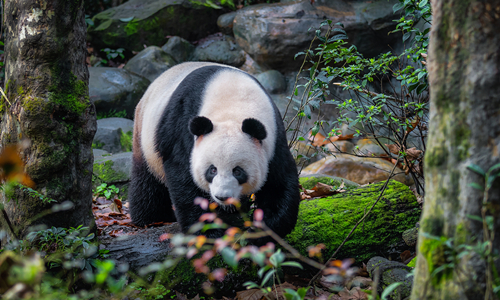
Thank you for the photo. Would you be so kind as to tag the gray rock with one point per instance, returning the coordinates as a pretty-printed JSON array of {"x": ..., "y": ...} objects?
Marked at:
[
  {"x": 180, "y": 49},
  {"x": 114, "y": 168},
  {"x": 390, "y": 272},
  {"x": 148, "y": 22},
  {"x": 219, "y": 49},
  {"x": 114, "y": 135},
  {"x": 410, "y": 236},
  {"x": 113, "y": 89},
  {"x": 272, "y": 34},
  {"x": 150, "y": 63},
  {"x": 273, "y": 81},
  {"x": 225, "y": 23},
  {"x": 99, "y": 153}
]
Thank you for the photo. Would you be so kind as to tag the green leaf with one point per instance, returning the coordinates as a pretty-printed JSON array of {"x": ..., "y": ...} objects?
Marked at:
[
  {"x": 422, "y": 4},
  {"x": 277, "y": 258},
  {"x": 389, "y": 289},
  {"x": 229, "y": 256},
  {"x": 292, "y": 264},
  {"x": 104, "y": 25},
  {"x": 476, "y": 169},
  {"x": 397, "y": 7},
  {"x": 268, "y": 276},
  {"x": 406, "y": 36},
  {"x": 315, "y": 129},
  {"x": 475, "y": 218},
  {"x": 476, "y": 186}
]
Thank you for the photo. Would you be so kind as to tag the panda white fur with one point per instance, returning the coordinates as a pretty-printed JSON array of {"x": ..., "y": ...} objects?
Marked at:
[{"x": 209, "y": 130}]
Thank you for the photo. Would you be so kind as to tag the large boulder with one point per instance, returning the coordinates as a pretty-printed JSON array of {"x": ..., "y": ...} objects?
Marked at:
[
  {"x": 219, "y": 49},
  {"x": 150, "y": 63},
  {"x": 148, "y": 22},
  {"x": 361, "y": 170},
  {"x": 114, "y": 135},
  {"x": 390, "y": 272},
  {"x": 329, "y": 220},
  {"x": 273, "y": 33},
  {"x": 115, "y": 90},
  {"x": 180, "y": 49}
]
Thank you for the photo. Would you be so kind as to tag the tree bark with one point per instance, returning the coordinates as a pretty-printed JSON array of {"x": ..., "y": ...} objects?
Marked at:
[
  {"x": 47, "y": 87},
  {"x": 464, "y": 75}
]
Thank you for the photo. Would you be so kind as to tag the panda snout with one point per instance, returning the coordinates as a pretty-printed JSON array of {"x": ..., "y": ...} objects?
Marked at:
[{"x": 221, "y": 198}]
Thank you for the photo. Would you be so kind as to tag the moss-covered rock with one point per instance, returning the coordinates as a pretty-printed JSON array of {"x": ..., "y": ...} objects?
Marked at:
[
  {"x": 329, "y": 221},
  {"x": 148, "y": 22},
  {"x": 308, "y": 182},
  {"x": 114, "y": 168}
]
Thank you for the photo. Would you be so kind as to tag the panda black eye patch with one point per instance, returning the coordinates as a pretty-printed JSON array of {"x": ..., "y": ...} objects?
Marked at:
[
  {"x": 210, "y": 173},
  {"x": 240, "y": 175}
]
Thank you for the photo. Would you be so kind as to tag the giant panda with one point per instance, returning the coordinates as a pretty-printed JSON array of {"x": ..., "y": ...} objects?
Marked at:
[{"x": 209, "y": 130}]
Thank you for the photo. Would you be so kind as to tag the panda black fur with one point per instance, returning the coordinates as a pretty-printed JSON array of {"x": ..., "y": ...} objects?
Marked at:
[{"x": 199, "y": 116}]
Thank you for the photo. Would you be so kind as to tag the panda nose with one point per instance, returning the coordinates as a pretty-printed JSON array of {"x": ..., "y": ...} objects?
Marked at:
[{"x": 222, "y": 199}]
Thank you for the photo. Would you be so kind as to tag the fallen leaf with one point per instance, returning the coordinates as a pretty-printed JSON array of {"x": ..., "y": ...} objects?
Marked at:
[{"x": 253, "y": 294}]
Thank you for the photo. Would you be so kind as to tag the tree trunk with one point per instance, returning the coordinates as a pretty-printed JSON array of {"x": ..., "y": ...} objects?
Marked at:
[
  {"x": 47, "y": 87},
  {"x": 464, "y": 75}
]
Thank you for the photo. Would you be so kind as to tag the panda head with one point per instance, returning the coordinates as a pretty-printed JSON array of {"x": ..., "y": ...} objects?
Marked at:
[{"x": 228, "y": 159}]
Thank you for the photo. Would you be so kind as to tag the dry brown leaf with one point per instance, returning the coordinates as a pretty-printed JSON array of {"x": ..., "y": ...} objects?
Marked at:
[
  {"x": 394, "y": 149},
  {"x": 253, "y": 294},
  {"x": 354, "y": 294},
  {"x": 413, "y": 153}
]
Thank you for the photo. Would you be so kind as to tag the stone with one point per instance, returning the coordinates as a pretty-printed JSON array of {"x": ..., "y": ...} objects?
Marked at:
[
  {"x": 389, "y": 273},
  {"x": 361, "y": 170},
  {"x": 114, "y": 135},
  {"x": 343, "y": 146},
  {"x": 150, "y": 63},
  {"x": 225, "y": 23},
  {"x": 410, "y": 236},
  {"x": 114, "y": 168},
  {"x": 148, "y": 22},
  {"x": 309, "y": 181},
  {"x": 114, "y": 90},
  {"x": 272, "y": 34},
  {"x": 251, "y": 67},
  {"x": 180, "y": 49},
  {"x": 273, "y": 81},
  {"x": 359, "y": 281},
  {"x": 329, "y": 220},
  {"x": 99, "y": 153},
  {"x": 219, "y": 49},
  {"x": 368, "y": 147},
  {"x": 304, "y": 154}
]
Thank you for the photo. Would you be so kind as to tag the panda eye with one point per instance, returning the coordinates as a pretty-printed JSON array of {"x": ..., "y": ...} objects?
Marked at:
[
  {"x": 240, "y": 175},
  {"x": 210, "y": 173}
]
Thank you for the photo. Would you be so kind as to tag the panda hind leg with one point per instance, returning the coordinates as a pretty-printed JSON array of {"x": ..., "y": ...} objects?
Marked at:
[{"x": 149, "y": 198}]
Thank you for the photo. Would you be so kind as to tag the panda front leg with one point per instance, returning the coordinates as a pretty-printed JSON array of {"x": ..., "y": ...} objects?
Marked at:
[
  {"x": 149, "y": 198},
  {"x": 279, "y": 198}
]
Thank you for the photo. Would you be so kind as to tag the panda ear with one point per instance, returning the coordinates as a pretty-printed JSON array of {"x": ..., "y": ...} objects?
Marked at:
[
  {"x": 200, "y": 125},
  {"x": 254, "y": 128}
]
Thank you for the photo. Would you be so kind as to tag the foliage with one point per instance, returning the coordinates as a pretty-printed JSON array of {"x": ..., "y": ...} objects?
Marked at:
[
  {"x": 106, "y": 191},
  {"x": 389, "y": 93},
  {"x": 36, "y": 194},
  {"x": 111, "y": 114},
  {"x": 112, "y": 54}
]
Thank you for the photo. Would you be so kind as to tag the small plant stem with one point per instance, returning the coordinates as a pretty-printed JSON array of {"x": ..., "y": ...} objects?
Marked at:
[
  {"x": 315, "y": 278},
  {"x": 9, "y": 224},
  {"x": 290, "y": 249}
]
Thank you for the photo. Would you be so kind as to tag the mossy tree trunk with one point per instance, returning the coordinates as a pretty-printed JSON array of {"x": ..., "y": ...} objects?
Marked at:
[
  {"x": 47, "y": 87},
  {"x": 464, "y": 74}
]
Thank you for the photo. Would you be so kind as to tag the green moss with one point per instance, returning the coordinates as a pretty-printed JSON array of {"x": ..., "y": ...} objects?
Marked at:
[
  {"x": 97, "y": 145},
  {"x": 184, "y": 278},
  {"x": 434, "y": 253},
  {"x": 310, "y": 181},
  {"x": 104, "y": 170},
  {"x": 126, "y": 141},
  {"x": 436, "y": 157},
  {"x": 68, "y": 91},
  {"x": 412, "y": 262},
  {"x": 329, "y": 221}
]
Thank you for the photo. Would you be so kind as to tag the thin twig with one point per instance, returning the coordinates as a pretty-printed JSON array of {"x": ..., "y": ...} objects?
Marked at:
[{"x": 315, "y": 278}]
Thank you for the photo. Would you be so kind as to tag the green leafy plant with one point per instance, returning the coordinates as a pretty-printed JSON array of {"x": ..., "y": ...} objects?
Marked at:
[
  {"x": 112, "y": 54},
  {"x": 36, "y": 194},
  {"x": 111, "y": 114},
  {"x": 106, "y": 191},
  {"x": 389, "y": 93}
]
